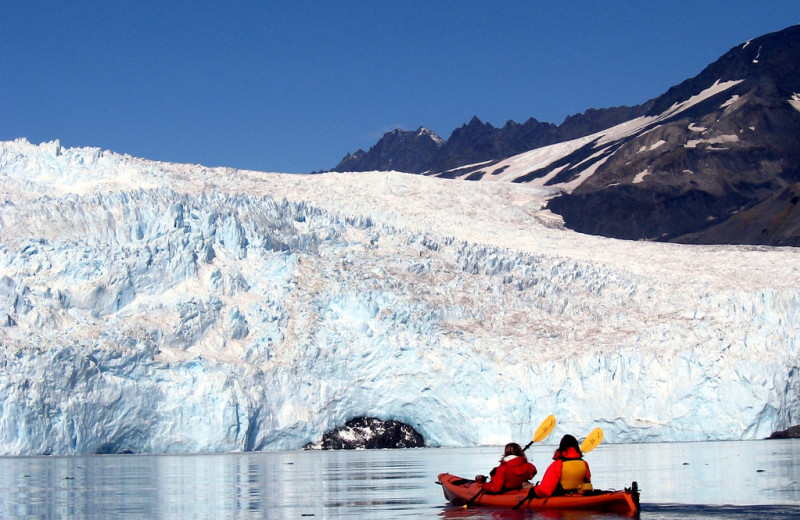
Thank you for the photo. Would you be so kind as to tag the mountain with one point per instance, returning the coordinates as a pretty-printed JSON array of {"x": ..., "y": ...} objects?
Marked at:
[
  {"x": 696, "y": 168},
  {"x": 151, "y": 307},
  {"x": 679, "y": 166},
  {"x": 422, "y": 151},
  {"x": 391, "y": 152}
]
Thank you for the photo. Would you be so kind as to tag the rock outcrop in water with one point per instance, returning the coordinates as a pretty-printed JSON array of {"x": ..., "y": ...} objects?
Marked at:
[
  {"x": 370, "y": 433},
  {"x": 789, "y": 433}
]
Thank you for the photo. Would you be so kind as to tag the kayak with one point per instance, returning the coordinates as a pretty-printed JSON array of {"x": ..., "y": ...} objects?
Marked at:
[{"x": 461, "y": 491}]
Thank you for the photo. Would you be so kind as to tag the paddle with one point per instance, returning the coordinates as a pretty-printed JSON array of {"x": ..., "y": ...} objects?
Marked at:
[
  {"x": 541, "y": 433},
  {"x": 592, "y": 440}
]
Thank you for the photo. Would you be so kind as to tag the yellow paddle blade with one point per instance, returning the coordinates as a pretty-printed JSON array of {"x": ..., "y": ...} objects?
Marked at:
[
  {"x": 545, "y": 429},
  {"x": 592, "y": 440}
]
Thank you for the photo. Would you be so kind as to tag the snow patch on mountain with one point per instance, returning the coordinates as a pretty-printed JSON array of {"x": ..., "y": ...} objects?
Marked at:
[
  {"x": 795, "y": 101},
  {"x": 730, "y": 102},
  {"x": 657, "y": 144},
  {"x": 720, "y": 139},
  {"x": 640, "y": 177},
  {"x": 431, "y": 134},
  {"x": 158, "y": 307}
]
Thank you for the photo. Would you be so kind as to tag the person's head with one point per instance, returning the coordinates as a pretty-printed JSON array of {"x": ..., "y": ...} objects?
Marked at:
[
  {"x": 512, "y": 448},
  {"x": 567, "y": 442}
]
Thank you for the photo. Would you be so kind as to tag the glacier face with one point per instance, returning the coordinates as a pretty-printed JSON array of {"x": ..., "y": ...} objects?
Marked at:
[{"x": 154, "y": 307}]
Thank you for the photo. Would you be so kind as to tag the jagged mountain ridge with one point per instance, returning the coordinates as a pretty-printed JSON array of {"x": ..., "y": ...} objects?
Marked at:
[
  {"x": 423, "y": 151},
  {"x": 676, "y": 167}
]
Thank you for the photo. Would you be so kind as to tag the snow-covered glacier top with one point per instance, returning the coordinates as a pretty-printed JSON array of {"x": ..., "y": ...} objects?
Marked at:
[{"x": 154, "y": 307}]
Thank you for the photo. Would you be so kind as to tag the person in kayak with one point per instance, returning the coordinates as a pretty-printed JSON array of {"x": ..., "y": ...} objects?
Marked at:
[
  {"x": 567, "y": 473},
  {"x": 513, "y": 471}
]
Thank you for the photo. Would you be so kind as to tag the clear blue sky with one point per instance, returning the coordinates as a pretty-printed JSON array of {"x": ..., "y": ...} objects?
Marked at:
[{"x": 292, "y": 86}]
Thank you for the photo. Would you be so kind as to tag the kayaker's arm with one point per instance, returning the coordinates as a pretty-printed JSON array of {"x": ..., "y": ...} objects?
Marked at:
[
  {"x": 550, "y": 480},
  {"x": 495, "y": 485}
]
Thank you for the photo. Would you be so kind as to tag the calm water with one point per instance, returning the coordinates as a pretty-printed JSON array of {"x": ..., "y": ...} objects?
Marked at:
[{"x": 742, "y": 480}]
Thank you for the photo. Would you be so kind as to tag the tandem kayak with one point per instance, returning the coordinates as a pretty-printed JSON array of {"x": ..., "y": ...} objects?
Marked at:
[{"x": 462, "y": 491}]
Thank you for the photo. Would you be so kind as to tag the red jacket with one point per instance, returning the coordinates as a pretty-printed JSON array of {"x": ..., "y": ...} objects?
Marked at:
[
  {"x": 512, "y": 472},
  {"x": 551, "y": 482}
]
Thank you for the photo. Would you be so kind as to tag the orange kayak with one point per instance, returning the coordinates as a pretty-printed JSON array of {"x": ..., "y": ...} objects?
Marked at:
[{"x": 462, "y": 491}]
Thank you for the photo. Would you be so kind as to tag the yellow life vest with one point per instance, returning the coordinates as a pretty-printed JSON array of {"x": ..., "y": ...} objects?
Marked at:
[{"x": 573, "y": 475}]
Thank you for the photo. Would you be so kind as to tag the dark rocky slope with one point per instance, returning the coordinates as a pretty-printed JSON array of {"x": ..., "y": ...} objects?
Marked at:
[{"x": 717, "y": 161}]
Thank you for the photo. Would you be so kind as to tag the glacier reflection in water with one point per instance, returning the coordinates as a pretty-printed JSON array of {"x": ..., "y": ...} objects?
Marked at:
[{"x": 744, "y": 480}]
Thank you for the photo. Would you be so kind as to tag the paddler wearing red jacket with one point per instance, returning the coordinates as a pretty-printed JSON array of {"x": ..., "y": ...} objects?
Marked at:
[
  {"x": 513, "y": 471},
  {"x": 567, "y": 473}
]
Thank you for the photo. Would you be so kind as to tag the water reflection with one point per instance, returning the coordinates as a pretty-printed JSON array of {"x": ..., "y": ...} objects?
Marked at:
[{"x": 692, "y": 480}]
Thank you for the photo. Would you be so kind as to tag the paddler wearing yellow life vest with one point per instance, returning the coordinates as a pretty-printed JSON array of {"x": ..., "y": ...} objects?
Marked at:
[{"x": 567, "y": 473}]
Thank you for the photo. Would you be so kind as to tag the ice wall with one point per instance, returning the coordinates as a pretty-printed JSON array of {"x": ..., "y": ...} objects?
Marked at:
[{"x": 149, "y": 307}]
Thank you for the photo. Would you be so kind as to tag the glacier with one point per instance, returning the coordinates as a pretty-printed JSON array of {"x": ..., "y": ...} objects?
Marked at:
[{"x": 151, "y": 307}]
